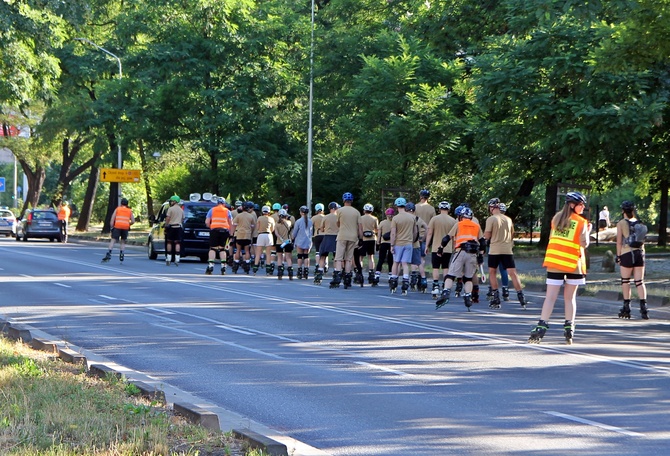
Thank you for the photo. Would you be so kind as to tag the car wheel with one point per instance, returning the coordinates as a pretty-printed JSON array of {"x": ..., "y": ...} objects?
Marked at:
[
  {"x": 204, "y": 258},
  {"x": 150, "y": 249}
]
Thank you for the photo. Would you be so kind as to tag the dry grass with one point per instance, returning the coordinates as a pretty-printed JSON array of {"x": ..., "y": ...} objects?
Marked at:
[{"x": 50, "y": 408}]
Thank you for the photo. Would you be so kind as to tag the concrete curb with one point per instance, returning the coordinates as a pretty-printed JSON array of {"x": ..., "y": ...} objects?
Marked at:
[{"x": 197, "y": 414}]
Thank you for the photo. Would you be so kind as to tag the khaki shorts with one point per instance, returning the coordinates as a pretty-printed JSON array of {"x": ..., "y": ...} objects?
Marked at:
[
  {"x": 463, "y": 264},
  {"x": 345, "y": 250}
]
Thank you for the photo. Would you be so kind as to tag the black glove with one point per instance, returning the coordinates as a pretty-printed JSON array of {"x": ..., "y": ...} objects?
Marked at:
[
  {"x": 440, "y": 250},
  {"x": 617, "y": 259},
  {"x": 480, "y": 258}
]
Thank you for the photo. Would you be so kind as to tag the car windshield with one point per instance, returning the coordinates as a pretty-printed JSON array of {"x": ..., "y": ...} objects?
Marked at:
[
  {"x": 44, "y": 215},
  {"x": 6, "y": 214},
  {"x": 195, "y": 215}
]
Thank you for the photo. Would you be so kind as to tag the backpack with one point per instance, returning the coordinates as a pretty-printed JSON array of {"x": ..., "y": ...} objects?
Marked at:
[{"x": 637, "y": 232}]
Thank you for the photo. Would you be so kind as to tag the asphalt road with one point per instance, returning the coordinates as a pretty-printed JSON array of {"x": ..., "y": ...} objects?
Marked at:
[{"x": 360, "y": 371}]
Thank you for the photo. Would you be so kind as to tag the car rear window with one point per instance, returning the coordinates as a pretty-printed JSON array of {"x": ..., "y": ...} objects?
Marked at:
[
  {"x": 45, "y": 215},
  {"x": 195, "y": 215},
  {"x": 6, "y": 214}
]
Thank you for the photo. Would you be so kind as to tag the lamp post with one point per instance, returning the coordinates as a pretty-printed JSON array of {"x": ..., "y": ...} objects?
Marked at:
[
  {"x": 309, "y": 132},
  {"x": 118, "y": 142}
]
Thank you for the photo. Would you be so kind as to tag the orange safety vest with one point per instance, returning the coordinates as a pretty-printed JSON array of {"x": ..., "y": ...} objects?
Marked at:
[
  {"x": 64, "y": 213},
  {"x": 467, "y": 231},
  {"x": 220, "y": 218},
  {"x": 122, "y": 219},
  {"x": 564, "y": 251}
]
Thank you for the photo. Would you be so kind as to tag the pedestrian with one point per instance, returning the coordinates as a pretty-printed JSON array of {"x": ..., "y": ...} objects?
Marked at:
[
  {"x": 565, "y": 261},
  {"x": 603, "y": 219},
  {"x": 499, "y": 232},
  {"x": 302, "y": 239},
  {"x": 384, "y": 244},
  {"x": 630, "y": 256},
  {"x": 469, "y": 247},
  {"x": 348, "y": 234},
  {"x": 265, "y": 240},
  {"x": 64, "y": 212},
  {"x": 329, "y": 243},
  {"x": 403, "y": 233},
  {"x": 122, "y": 219},
  {"x": 317, "y": 223},
  {"x": 369, "y": 225},
  {"x": 219, "y": 220},
  {"x": 438, "y": 228},
  {"x": 174, "y": 230}
]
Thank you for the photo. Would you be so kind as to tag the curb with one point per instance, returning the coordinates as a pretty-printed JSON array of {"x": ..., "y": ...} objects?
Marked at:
[{"x": 196, "y": 414}]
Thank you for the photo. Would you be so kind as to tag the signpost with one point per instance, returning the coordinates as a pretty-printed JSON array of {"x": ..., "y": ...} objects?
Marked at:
[
  {"x": 119, "y": 175},
  {"x": 2, "y": 184}
]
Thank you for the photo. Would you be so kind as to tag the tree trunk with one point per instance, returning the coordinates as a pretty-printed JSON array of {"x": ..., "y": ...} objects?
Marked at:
[
  {"x": 113, "y": 201},
  {"x": 663, "y": 217},
  {"x": 35, "y": 182},
  {"x": 87, "y": 207},
  {"x": 145, "y": 178},
  {"x": 549, "y": 212}
]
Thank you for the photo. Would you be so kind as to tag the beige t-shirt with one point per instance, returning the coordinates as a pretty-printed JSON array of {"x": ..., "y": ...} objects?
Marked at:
[
  {"x": 317, "y": 221},
  {"x": 369, "y": 222},
  {"x": 347, "y": 218},
  {"x": 174, "y": 215},
  {"x": 330, "y": 224},
  {"x": 244, "y": 225},
  {"x": 501, "y": 228},
  {"x": 265, "y": 224},
  {"x": 425, "y": 211},
  {"x": 282, "y": 229},
  {"x": 403, "y": 223},
  {"x": 422, "y": 228},
  {"x": 384, "y": 227},
  {"x": 441, "y": 225}
]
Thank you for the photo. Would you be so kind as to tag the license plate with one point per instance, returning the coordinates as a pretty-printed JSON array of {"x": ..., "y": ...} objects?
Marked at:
[
  {"x": 4, "y": 222},
  {"x": 203, "y": 234},
  {"x": 49, "y": 224}
]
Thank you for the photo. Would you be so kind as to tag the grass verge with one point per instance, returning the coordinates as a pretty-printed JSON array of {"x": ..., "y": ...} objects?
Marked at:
[{"x": 51, "y": 408}]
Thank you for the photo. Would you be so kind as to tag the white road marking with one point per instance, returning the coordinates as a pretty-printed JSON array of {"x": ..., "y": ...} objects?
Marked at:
[
  {"x": 385, "y": 369},
  {"x": 62, "y": 285},
  {"x": 594, "y": 423},
  {"x": 230, "y": 328},
  {"x": 156, "y": 309},
  {"x": 108, "y": 297}
]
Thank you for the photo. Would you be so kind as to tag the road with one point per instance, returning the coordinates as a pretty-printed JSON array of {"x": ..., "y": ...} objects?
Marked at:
[{"x": 360, "y": 371}]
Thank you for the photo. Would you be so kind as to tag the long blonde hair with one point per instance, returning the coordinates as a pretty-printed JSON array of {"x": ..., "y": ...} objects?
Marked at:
[{"x": 561, "y": 220}]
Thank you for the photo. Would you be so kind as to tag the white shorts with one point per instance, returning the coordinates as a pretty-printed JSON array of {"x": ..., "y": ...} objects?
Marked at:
[
  {"x": 264, "y": 240},
  {"x": 558, "y": 278}
]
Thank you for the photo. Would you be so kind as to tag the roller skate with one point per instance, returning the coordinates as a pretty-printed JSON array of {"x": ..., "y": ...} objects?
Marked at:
[
  {"x": 336, "y": 280},
  {"x": 489, "y": 294},
  {"x": 624, "y": 312},
  {"x": 167, "y": 260},
  {"x": 236, "y": 266},
  {"x": 371, "y": 278},
  {"x": 475, "y": 294},
  {"x": 444, "y": 299},
  {"x": 269, "y": 269},
  {"x": 359, "y": 277},
  {"x": 393, "y": 284},
  {"x": 290, "y": 272},
  {"x": 376, "y": 280},
  {"x": 108, "y": 256},
  {"x": 223, "y": 268},
  {"x": 467, "y": 300},
  {"x": 436, "y": 289},
  {"x": 299, "y": 274},
  {"x": 255, "y": 268},
  {"x": 495, "y": 301},
  {"x": 348, "y": 277},
  {"x": 246, "y": 267},
  {"x": 305, "y": 273},
  {"x": 413, "y": 280},
  {"x": 422, "y": 285},
  {"x": 522, "y": 299},
  {"x": 318, "y": 277},
  {"x": 121, "y": 256},
  {"x": 405, "y": 286},
  {"x": 568, "y": 331},
  {"x": 459, "y": 288},
  {"x": 505, "y": 295},
  {"x": 644, "y": 311},
  {"x": 272, "y": 269},
  {"x": 280, "y": 271},
  {"x": 210, "y": 269},
  {"x": 538, "y": 332},
  {"x": 262, "y": 262}
]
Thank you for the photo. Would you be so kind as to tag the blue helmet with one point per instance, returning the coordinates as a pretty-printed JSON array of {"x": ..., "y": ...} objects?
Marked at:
[
  {"x": 459, "y": 210},
  {"x": 575, "y": 197},
  {"x": 467, "y": 213},
  {"x": 333, "y": 205},
  {"x": 276, "y": 206},
  {"x": 401, "y": 202},
  {"x": 410, "y": 207},
  {"x": 347, "y": 197},
  {"x": 318, "y": 207},
  {"x": 424, "y": 193}
]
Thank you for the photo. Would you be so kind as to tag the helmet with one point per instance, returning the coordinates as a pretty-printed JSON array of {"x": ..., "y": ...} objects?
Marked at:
[
  {"x": 124, "y": 202},
  {"x": 285, "y": 207},
  {"x": 401, "y": 202},
  {"x": 459, "y": 210},
  {"x": 444, "y": 205},
  {"x": 318, "y": 207},
  {"x": 283, "y": 213},
  {"x": 389, "y": 211},
  {"x": 220, "y": 200},
  {"x": 424, "y": 193},
  {"x": 248, "y": 205},
  {"x": 494, "y": 202},
  {"x": 238, "y": 203},
  {"x": 265, "y": 210},
  {"x": 304, "y": 210},
  {"x": 175, "y": 198},
  {"x": 410, "y": 207},
  {"x": 628, "y": 206},
  {"x": 368, "y": 207},
  {"x": 502, "y": 207},
  {"x": 64, "y": 203},
  {"x": 276, "y": 206},
  {"x": 467, "y": 213},
  {"x": 333, "y": 205},
  {"x": 256, "y": 207},
  {"x": 347, "y": 197},
  {"x": 575, "y": 197}
]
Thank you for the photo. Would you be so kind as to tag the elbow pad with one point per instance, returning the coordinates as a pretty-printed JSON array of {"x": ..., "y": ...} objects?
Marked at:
[
  {"x": 445, "y": 240},
  {"x": 482, "y": 244}
]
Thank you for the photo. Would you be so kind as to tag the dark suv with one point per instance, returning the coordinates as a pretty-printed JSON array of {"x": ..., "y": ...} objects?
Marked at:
[
  {"x": 39, "y": 223},
  {"x": 196, "y": 234}
]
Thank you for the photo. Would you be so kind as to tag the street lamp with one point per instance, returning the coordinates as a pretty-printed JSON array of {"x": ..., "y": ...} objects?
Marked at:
[
  {"x": 309, "y": 132},
  {"x": 118, "y": 141}
]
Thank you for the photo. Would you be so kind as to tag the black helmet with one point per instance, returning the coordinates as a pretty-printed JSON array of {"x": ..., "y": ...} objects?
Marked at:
[
  {"x": 575, "y": 197},
  {"x": 124, "y": 202},
  {"x": 628, "y": 206},
  {"x": 248, "y": 205},
  {"x": 333, "y": 205},
  {"x": 494, "y": 202},
  {"x": 424, "y": 193}
]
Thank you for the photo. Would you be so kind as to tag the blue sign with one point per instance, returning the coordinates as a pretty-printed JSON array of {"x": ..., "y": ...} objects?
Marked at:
[{"x": 2, "y": 184}]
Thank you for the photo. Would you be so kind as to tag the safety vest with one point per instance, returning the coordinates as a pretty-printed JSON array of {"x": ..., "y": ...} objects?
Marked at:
[
  {"x": 467, "y": 231},
  {"x": 122, "y": 219},
  {"x": 64, "y": 213},
  {"x": 564, "y": 251},
  {"x": 219, "y": 218}
]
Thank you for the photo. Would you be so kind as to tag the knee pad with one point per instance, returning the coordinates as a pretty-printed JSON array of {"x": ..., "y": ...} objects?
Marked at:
[
  {"x": 467, "y": 279},
  {"x": 625, "y": 280},
  {"x": 639, "y": 283},
  {"x": 450, "y": 277}
]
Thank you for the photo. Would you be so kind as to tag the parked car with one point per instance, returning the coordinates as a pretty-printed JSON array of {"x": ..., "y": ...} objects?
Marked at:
[
  {"x": 7, "y": 222},
  {"x": 195, "y": 242},
  {"x": 39, "y": 223}
]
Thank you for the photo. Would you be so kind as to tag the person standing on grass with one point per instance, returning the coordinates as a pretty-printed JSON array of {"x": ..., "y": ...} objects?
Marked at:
[{"x": 565, "y": 261}]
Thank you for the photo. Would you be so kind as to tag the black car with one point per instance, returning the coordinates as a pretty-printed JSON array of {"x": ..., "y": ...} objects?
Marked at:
[
  {"x": 39, "y": 223},
  {"x": 196, "y": 234}
]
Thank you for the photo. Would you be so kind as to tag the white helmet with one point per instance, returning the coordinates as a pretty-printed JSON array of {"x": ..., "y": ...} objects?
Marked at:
[
  {"x": 318, "y": 207},
  {"x": 283, "y": 213},
  {"x": 444, "y": 205},
  {"x": 368, "y": 207},
  {"x": 265, "y": 209}
]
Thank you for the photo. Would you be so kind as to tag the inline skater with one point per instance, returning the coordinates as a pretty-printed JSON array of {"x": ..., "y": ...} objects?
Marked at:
[
  {"x": 329, "y": 243},
  {"x": 369, "y": 225},
  {"x": 174, "y": 221},
  {"x": 438, "y": 228},
  {"x": 219, "y": 220},
  {"x": 630, "y": 256},
  {"x": 417, "y": 276},
  {"x": 121, "y": 221},
  {"x": 283, "y": 245},
  {"x": 348, "y": 234},
  {"x": 265, "y": 240},
  {"x": 403, "y": 233},
  {"x": 317, "y": 223},
  {"x": 384, "y": 245},
  {"x": 302, "y": 239}
]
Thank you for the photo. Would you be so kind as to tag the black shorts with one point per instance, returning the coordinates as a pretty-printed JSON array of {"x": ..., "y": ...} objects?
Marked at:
[
  {"x": 507, "y": 261},
  {"x": 317, "y": 241},
  {"x": 218, "y": 237},
  {"x": 367, "y": 248},
  {"x": 173, "y": 233},
  {"x": 632, "y": 259},
  {"x": 328, "y": 245},
  {"x": 440, "y": 261},
  {"x": 288, "y": 248},
  {"x": 118, "y": 233},
  {"x": 243, "y": 242},
  {"x": 602, "y": 223}
]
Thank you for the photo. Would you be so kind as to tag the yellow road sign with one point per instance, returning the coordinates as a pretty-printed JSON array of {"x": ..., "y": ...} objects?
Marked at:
[{"x": 119, "y": 175}]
